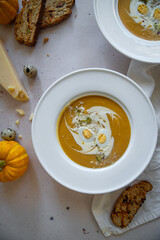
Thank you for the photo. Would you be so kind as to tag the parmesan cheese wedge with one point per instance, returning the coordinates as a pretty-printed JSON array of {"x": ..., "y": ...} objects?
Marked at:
[{"x": 9, "y": 78}]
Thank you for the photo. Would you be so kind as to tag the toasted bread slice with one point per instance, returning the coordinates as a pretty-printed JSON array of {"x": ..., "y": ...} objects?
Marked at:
[
  {"x": 28, "y": 20},
  {"x": 129, "y": 202},
  {"x": 55, "y": 12}
]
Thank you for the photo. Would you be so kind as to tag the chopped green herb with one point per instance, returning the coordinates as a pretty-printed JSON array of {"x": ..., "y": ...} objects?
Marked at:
[
  {"x": 77, "y": 111},
  {"x": 28, "y": 30}
]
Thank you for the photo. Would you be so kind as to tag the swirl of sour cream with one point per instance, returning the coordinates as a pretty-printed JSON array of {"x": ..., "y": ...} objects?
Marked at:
[{"x": 92, "y": 131}]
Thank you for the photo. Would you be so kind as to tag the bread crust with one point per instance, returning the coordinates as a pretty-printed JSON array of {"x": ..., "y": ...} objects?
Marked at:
[
  {"x": 48, "y": 13},
  {"x": 27, "y": 27},
  {"x": 129, "y": 202},
  {"x": 55, "y": 12}
]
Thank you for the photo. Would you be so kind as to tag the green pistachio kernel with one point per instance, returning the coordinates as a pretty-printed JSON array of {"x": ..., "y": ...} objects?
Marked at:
[
  {"x": 157, "y": 26},
  {"x": 98, "y": 158},
  {"x": 88, "y": 120}
]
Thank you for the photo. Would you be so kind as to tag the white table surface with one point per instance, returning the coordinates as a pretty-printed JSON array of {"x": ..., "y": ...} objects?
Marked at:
[{"x": 36, "y": 206}]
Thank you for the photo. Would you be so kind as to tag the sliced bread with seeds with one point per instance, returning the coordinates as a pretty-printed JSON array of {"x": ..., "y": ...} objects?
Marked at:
[
  {"x": 129, "y": 202},
  {"x": 27, "y": 24},
  {"x": 56, "y": 11}
]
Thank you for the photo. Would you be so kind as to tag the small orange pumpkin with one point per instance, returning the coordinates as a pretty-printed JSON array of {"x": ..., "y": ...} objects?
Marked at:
[
  {"x": 13, "y": 161},
  {"x": 8, "y": 10}
]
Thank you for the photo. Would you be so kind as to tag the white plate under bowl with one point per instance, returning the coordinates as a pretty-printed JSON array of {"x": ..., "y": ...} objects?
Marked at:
[
  {"x": 110, "y": 24},
  {"x": 143, "y": 131}
]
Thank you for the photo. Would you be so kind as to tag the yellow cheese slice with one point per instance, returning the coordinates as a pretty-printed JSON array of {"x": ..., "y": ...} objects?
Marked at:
[{"x": 9, "y": 78}]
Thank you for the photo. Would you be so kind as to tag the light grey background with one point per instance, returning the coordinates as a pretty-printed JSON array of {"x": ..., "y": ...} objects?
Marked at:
[{"x": 35, "y": 206}]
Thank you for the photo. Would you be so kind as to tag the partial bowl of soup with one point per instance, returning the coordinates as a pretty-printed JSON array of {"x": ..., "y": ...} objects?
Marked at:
[
  {"x": 141, "y": 18},
  {"x": 90, "y": 131},
  {"x": 131, "y": 26}
]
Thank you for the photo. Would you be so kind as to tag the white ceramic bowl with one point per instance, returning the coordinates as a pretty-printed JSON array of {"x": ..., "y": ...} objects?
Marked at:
[
  {"x": 110, "y": 24},
  {"x": 143, "y": 131}
]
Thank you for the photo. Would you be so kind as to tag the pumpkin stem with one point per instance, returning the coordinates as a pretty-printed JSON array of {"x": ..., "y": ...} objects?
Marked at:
[{"x": 2, "y": 164}]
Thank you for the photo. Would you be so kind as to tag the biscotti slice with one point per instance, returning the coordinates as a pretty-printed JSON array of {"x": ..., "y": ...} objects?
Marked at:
[
  {"x": 28, "y": 20},
  {"x": 55, "y": 12},
  {"x": 129, "y": 202}
]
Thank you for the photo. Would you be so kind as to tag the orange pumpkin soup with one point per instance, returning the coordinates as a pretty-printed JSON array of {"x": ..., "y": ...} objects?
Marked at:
[
  {"x": 141, "y": 17},
  {"x": 94, "y": 131}
]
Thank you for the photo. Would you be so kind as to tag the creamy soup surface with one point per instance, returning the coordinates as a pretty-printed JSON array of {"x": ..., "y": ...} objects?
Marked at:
[
  {"x": 94, "y": 131},
  {"x": 141, "y": 17}
]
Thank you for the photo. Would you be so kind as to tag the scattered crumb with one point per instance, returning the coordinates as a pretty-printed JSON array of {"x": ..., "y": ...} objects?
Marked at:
[
  {"x": 67, "y": 208},
  {"x": 31, "y": 117},
  {"x": 45, "y": 40},
  {"x": 17, "y": 122},
  {"x": 20, "y": 136},
  {"x": 85, "y": 231},
  {"x": 51, "y": 218},
  {"x": 11, "y": 89},
  {"x": 47, "y": 55},
  {"x": 20, "y": 112}
]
